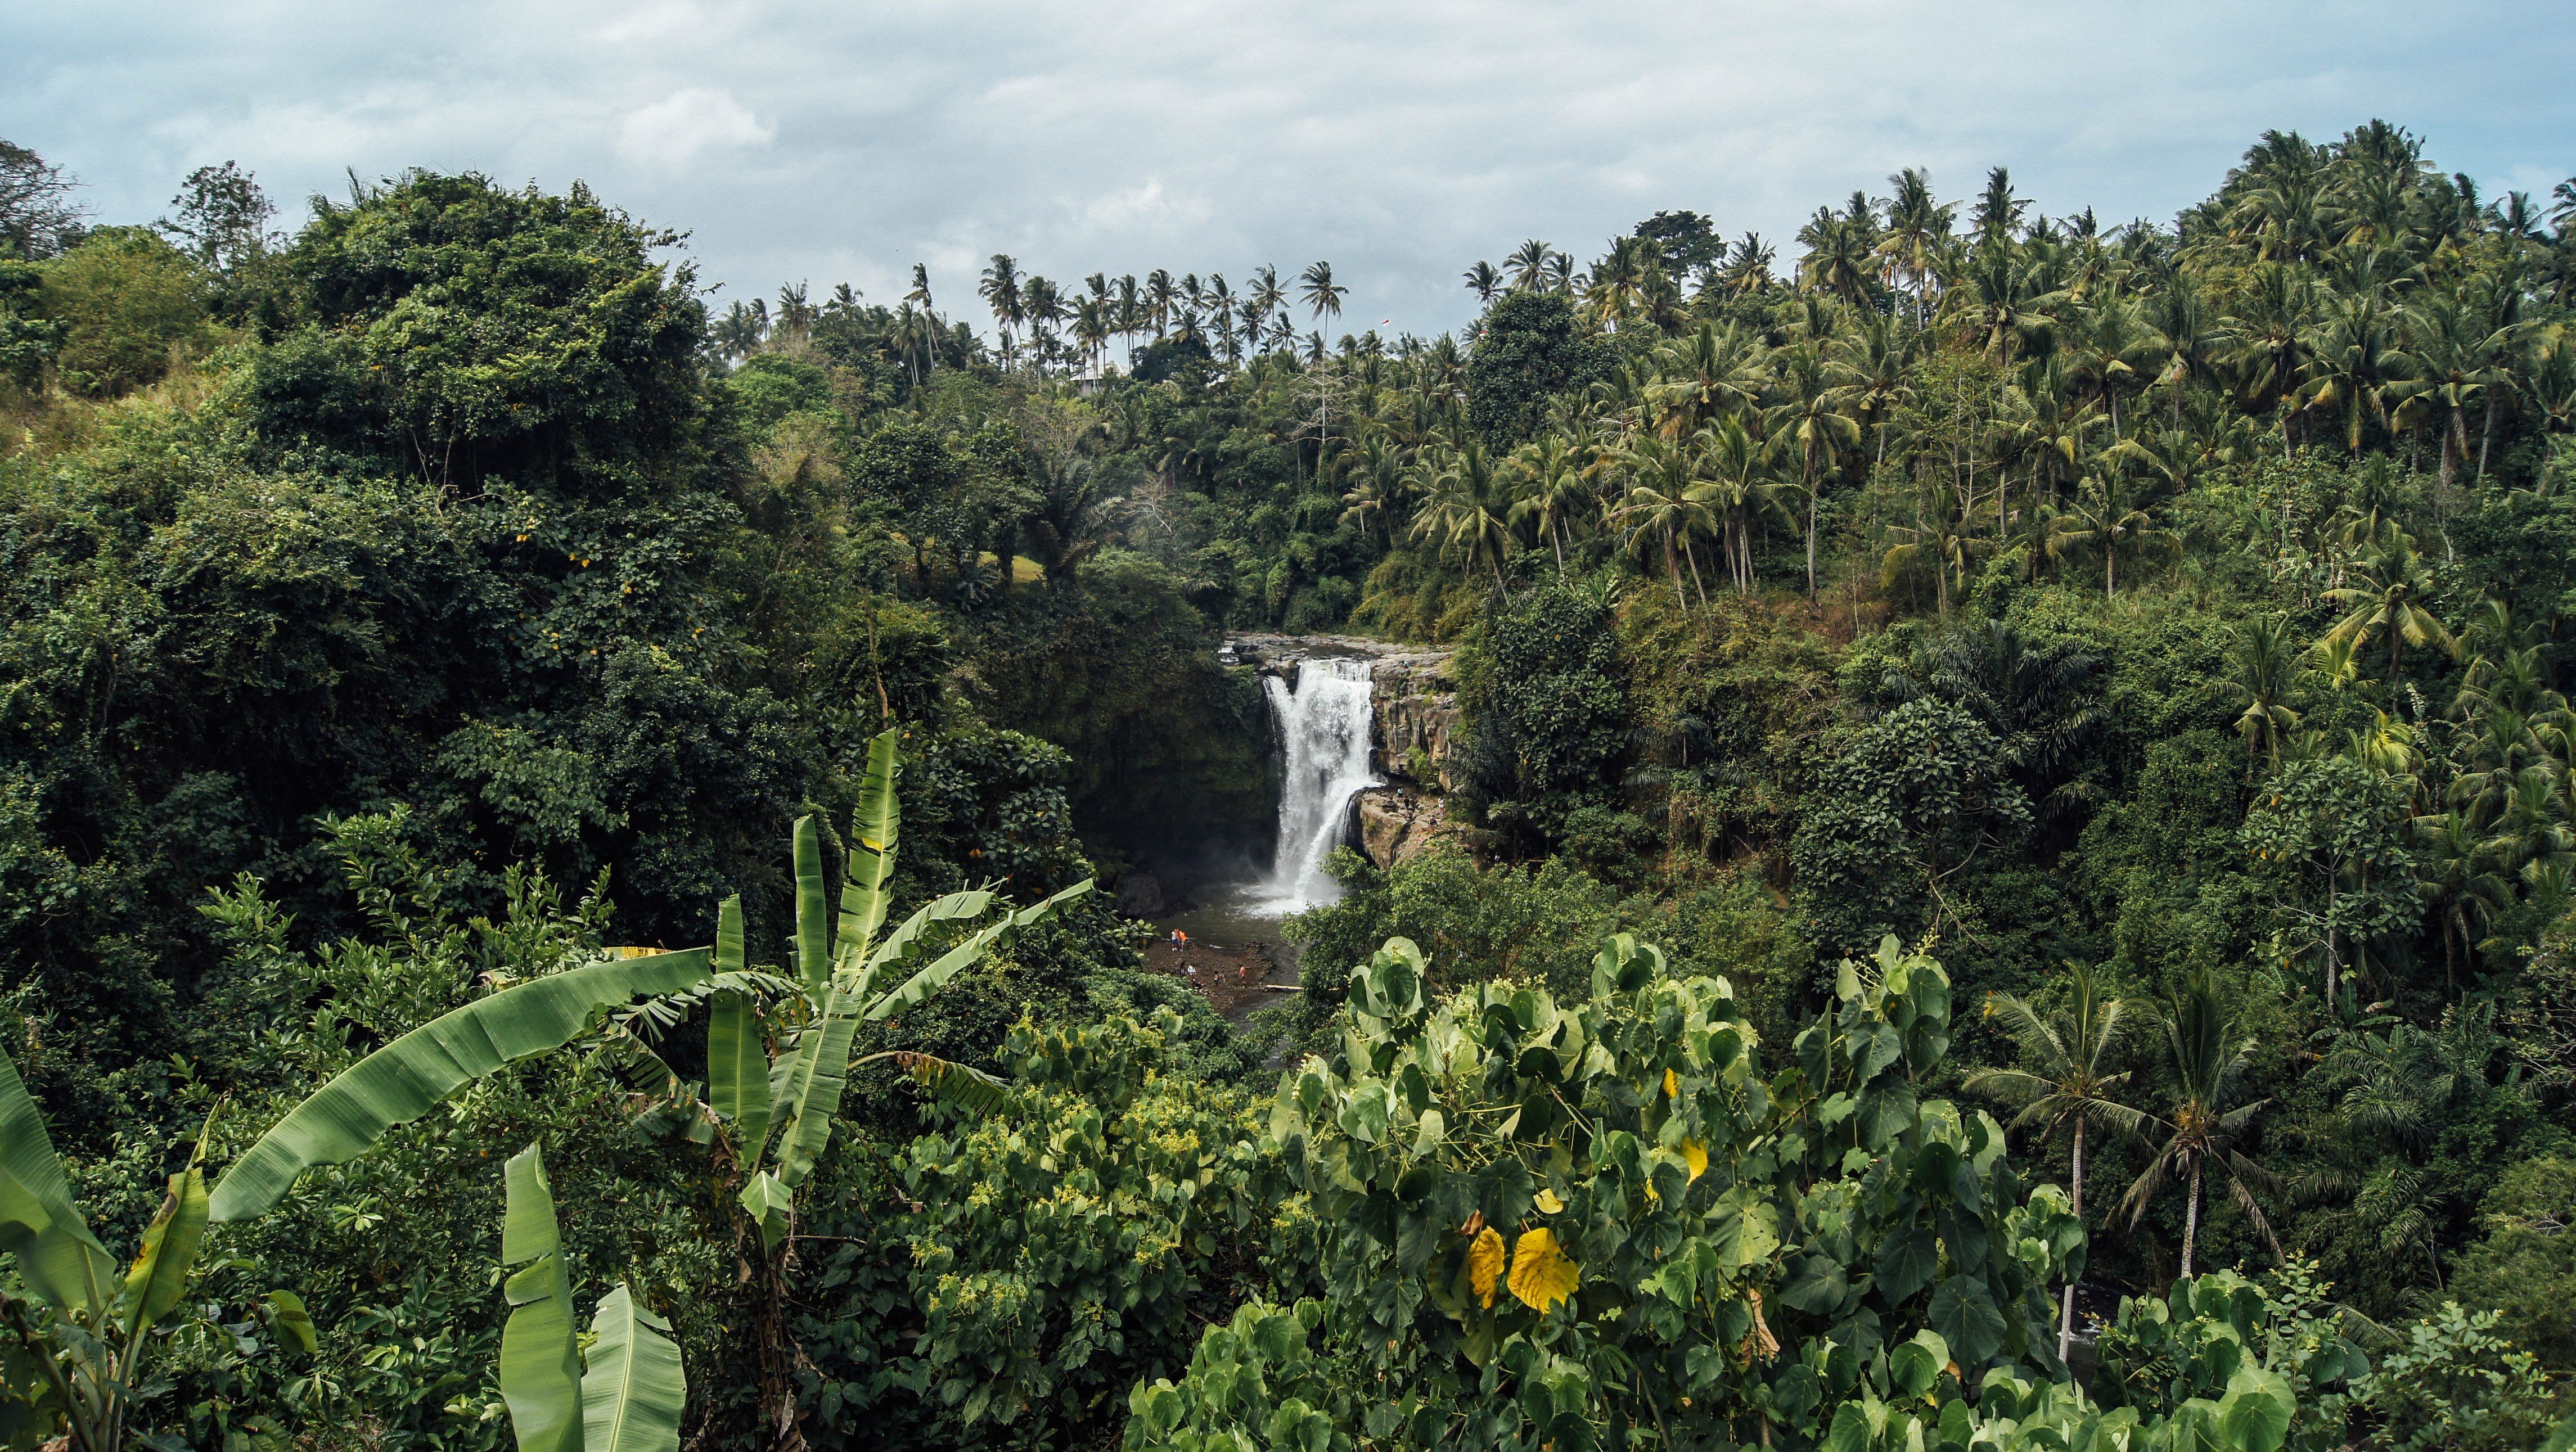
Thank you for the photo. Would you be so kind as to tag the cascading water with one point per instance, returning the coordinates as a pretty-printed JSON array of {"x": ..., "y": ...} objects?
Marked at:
[{"x": 1324, "y": 726}]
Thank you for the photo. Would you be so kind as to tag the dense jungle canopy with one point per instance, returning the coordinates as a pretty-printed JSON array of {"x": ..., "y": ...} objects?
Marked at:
[{"x": 2014, "y": 882}]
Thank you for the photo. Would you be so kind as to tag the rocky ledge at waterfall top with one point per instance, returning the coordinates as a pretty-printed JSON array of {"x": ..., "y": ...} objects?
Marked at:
[{"x": 1413, "y": 708}]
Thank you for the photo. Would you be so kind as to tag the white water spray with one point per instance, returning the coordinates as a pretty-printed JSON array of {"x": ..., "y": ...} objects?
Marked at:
[{"x": 1324, "y": 724}]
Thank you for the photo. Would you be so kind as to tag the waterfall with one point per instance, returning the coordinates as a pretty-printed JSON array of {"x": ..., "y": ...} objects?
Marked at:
[{"x": 1324, "y": 726}]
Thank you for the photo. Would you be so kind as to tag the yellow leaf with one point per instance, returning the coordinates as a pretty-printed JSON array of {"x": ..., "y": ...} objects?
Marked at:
[
  {"x": 1485, "y": 1263},
  {"x": 1696, "y": 1155},
  {"x": 1672, "y": 1085},
  {"x": 1541, "y": 1275},
  {"x": 1548, "y": 1203}
]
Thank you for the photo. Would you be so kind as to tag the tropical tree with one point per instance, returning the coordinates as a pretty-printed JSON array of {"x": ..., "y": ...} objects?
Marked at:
[
  {"x": 2202, "y": 1123},
  {"x": 1810, "y": 419},
  {"x": 82, "y": 1332},
  {"x": 630, "y": 1398},
  {"x": 773, "y": 1115},
  {"x": 1528, "y": 264},
  {"x": 1668, "y": 502},
  {"x": 1553, "y": 492},
  {"x": 2262, "y": 675},
  {"x": 2108, "y": 516},
  {"x": 1468, "y": 512},
  {"x": 2383, "y": 600},
  {"x": 1484, "y": 281},
  {"x": 2067, "y": 1084},
  {"x": 1000, "y": 290}
]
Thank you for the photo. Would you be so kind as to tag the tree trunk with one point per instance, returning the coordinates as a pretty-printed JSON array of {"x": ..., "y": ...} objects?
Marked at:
[
  {"x": 1812, "y": 493},
  {"x": 2486, "y": 440},
  {"x": 2066, "y": 1309},
  {"x": 2191, "y": 1221}
]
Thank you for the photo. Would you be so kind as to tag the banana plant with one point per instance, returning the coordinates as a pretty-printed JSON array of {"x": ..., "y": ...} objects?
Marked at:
[
  {"x": 630, "y": 1398},
  {"x": 81, "y": 1334},
  {"x": 778, "y": 1110},
  {"x": 415, "y": 1073}
]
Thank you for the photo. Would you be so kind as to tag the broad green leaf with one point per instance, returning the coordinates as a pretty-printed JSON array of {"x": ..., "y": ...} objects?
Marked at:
[
  {"x": 170, "y": 1246},
  {"x": 410, "y": 1076},
  {"x": 1966, "y": 1317},
  {"x": 1907, "y": 1261},
  {"x": 286, "y": 1312},
  {"x": 904, "y": 943},
  {"x": 631, "y": 1400},
  {"x": 1743, "y": 1228},
  {"x": 2562, "y": 1439},
  {"x": 2255, "y": 1413},
  {"x": 813, "y": 909},
  {"x": 728, "y": 957},
  {"x": 738, "y": 1071},
  {"x": 814, "y": 1090},
  {"x": 61, "y": 1260},
  {"x": 949, "y": 964},
  {"x": 540, "y": 1360},
  {"x": 766, "y": 1201},
  {"x": 962, "y": 1085},
  {"x": 866, "y": 897}
]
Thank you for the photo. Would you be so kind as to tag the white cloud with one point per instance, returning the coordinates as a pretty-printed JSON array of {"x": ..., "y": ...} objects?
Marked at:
[
  {"x": 1401, "y": 142},
  {"x": 674, "y": 132}
]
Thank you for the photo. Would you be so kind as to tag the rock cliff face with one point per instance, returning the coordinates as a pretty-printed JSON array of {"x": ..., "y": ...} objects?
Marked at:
[{"x": 1413, "y": 701}]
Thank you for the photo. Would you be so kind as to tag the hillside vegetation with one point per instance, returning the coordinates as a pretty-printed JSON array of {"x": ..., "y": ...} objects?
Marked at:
[{"x": 2013, "y": 882}]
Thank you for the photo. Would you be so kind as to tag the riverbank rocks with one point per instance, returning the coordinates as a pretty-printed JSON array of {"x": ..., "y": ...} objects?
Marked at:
[{"x": 1413, "y": 697}]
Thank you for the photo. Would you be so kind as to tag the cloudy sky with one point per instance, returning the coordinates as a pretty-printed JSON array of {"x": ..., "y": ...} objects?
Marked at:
[{"x": 1401, "y": 141}]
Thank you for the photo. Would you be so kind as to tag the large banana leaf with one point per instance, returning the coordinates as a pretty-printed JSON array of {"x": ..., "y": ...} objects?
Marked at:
[
  {"x": 949, "y": 964},
  {"x": 813, "y": 909},
  {"x": 738, "y": 1071},
  {"x": 540, "y": 1361},
  {"x": 408, "y": 1077},
  {"x": 632, "y": 1398},
  {"x": 170, "y": 1246},
  {"x": 866, "y": 896},
  {"x": 905, "y": 942},
  {"x": 60, "y": 1259},
  {"x": 822, "y": 1070},
  {"x": 729, "y": 935}
]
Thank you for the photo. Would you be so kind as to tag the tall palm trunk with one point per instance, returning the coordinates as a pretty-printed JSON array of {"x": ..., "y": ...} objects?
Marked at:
[
  {"x": 2191, "y": 1221},
  {"x": 2066, "y": 1308}
]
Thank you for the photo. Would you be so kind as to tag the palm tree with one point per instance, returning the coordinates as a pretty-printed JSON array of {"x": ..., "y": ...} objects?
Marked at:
[
  {"x": 1712, "y": 372},
  {"x": 1528, "y": 264},
  {"x": 1809, "y": 416},
  {"x": 2068, "y": 1084},
  {"x": 1669, "y": 503},
  {"x": 2203, "y": 1127},
  {"x": 1484, "y": 281},
  {"x": 1322, "y": 296},
  {"x": 2354, "y": 366},
  {"x": 1552, "y": 489},
  {"x": 1469, "y": 511},
  {"x": 2385, "y": 585},
  {"x": 1001, "y": 290},
  {"x": 2108, "y": 516},
  {"x": 1941, "y": 536},
  {"x": 1742, "y": 488},
  {"x": 2186, "y": 341},
  {"x": 2262, "y": 671},
  {"x": 1916, "y": 228},
  {"x": 1870, "y": 368}
]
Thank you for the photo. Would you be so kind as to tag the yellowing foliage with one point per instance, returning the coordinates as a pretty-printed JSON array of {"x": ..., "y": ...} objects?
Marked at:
[
  {"x": 1541, "y": 1274},
  {"x": 1485, "y": 1263}
]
